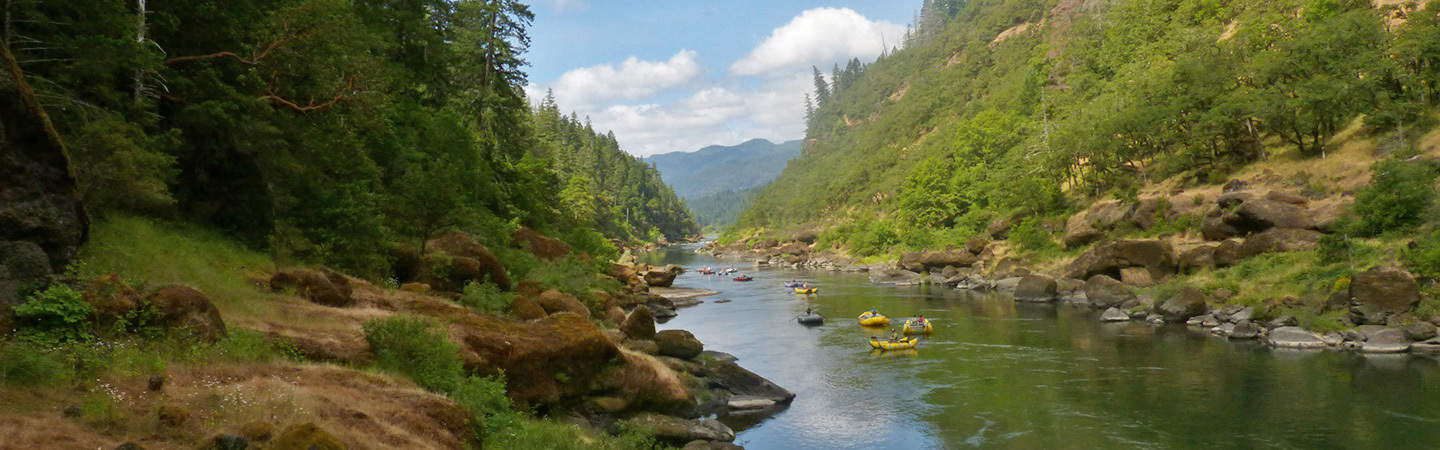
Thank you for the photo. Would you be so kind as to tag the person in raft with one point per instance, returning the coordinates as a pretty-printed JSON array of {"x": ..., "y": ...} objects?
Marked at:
[{"x": 920, "y": 319}]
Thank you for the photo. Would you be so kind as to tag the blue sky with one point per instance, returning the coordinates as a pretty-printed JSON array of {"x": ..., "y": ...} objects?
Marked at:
[{"x": 679, "y": 75}]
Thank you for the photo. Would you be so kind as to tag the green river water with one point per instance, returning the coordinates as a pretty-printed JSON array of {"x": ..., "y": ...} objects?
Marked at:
[{"x": 997, "y": 374}]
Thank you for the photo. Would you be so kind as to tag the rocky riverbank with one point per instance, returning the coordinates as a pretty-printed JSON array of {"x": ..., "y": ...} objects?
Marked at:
[{"x": 1375, "y": 308}]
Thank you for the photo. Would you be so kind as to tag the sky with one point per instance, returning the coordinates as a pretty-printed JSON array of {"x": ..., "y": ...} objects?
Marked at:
[{"x": 671, "y": 76}]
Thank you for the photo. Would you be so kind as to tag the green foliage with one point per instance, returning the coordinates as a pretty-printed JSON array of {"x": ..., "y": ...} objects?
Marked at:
[
  {"x": 418, "y": 348},
  {"x": 1398, "y": 197},
  {"x": 57, "y": 314},
  {"x": 488, "y": 405},
  {"x": 1424, "y": 258},
  {"x": 1032, "y": 237},
  {"x": 486, "y": 298},
  {"x": 1318, "y": 322},
  {"x": 29, "y": 364}
]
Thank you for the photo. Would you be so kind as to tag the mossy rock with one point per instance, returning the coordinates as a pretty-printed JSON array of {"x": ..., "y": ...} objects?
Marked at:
[
  {"x": 306, "y": 436},
  {"x": 257, "y": 431}
]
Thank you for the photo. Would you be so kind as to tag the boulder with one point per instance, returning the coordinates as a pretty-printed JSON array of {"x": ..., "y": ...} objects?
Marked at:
[
  {"x": 536, "y": 356},
  {"x": 1114, "y": 315},
  {"x": 794, "y": 249},
  {"x": 554, "y": 302},
  {"x": 615, "y": 315},
  {"x": 1148, "y": 211},
  {"x": 525, "y": 309},
  {"x": 110, "y": 299},
  {"x": 894, "y": 276},
  {"x": 976, "y": 244},
  {"x": 1381, "y": 291},
  {"x": 678, "y": 343},
  {"x": 1294, "y": 337},
  {"x": 1386, "y": 340},
  {"x": 1104, "y": 292},
  {"x": 1280, "y": 240},
  {"x": 172, "y": 416},
  {"x": 806, "y": 236},
  {"x": 1091, "y": 224},
  {"x": 710, "y": 445},
  {"x": 1244, "y": 329},
  {"x": 42, "y": 220},
  {"x": 1257, "y": 215},
  {"x": 187, "y": 308},
  {"x": 228, "y": 442},
  {"x": 539, "y": 245},
  {"x": 676, "y": 430},
  {"x": 938, "y": 259},
  {"x": 461, "y": 245},
  {"x": 1000, "y": 227},
  {"x": 1197, "y": 258},
  {"x": 1214, "y": 228},
  {"x": 1008, "y": 267},
  {"x": 324, "y": 286},
  {"x": 646, "y": 383},
  {"x": 1035, "y": 288},
  {"x": 1136, "y": 276},
  {"x": 1282, "y": 321},
  {"x": 640, "y": 324},
  {"x": 659, "y": 277},
  {"x": 1419, "y": 331},
  {"x": 1227, "y": 253},
  {"x": 629, "y": 276},
  {"x": 1189, "y": 302},
  {"x": 306, "y": 436},
  {"x": 1157, "y": 257}
]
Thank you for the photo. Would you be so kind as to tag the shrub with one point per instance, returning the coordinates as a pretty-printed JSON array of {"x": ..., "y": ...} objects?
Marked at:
[
  {"x": 487, "y": 403},
  {"x": 56, "y": 314},
  {"x": 418, "y": 348},
  {"x": 1424, "y": 259},
  {"x": 1398, "y": 196},
  {"x": 26, "y": 364},
  {"x": 486, "y": 298},
  {"x": 1030, "y": 236}
]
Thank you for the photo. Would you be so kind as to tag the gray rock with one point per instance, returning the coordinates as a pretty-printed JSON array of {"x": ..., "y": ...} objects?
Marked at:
[
  {"x": 1293, "y": 338},
  {"x": 1245, "y": 330},
  {"x": 1388, "y": 340},
  {"x": 675, "y": 429},
  {"x": 1035, "y": 288},
  {"x": 1245, "y": 313},
  {"x": 1282, "y": 321},
  {"x": 1189, "y": 302},
  {"x": 1379, "y": 292},
  {"x": 1103, "y": 292},
  {"x": 1007, "y": 285},
  {"x": 1200, "y": 320},
  {"x": 678, "y": 343},
  {"x": 895, "y": 276},
  {"x": 1331, "y": 338},
  {"x": 1114, "y": 315},
  {"x": 1155, "y": 319},
  {"x": 1429, "y": 346},
  {"x": 710, "y": 445},
  {"x": 1419, "y": 331}
]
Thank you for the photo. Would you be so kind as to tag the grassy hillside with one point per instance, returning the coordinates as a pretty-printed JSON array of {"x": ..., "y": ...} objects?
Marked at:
[{"x": 1026, "y": 108}]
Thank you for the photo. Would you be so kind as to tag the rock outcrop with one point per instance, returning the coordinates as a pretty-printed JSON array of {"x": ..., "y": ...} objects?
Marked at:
[
  {"x": 1380, "y": 292},
  {"x": 1156, "y": 257},
  {"x": 1035, "y": 288},
  {"x": 936, "y": 259},
  {"x": 458, "y": 259},
  {"x": 183, "y": 307},
  {"x": 324, "y": 286},
  {"x": 42, "y": 222},
  {"x": 678, "y": 343},
  {"x": 555, "y": 302},
  {"x": 1105, "y": 292},
  {"x": 539, "y": 245},
  {"x": 536, "y": 355},
  {"x": 1189, "y": 302}
]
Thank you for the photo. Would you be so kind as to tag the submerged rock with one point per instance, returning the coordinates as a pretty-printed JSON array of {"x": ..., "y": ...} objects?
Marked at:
[
  {"x": 1387, "y": 340},
  {"x": 1189, "y": 302},
  {"x": 1103, "y": 292}
]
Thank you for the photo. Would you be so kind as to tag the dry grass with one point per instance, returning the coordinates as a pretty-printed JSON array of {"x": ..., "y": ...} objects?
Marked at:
[{"x": 364, "y": 410}]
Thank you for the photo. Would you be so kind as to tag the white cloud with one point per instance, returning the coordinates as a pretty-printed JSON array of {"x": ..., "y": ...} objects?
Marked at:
[
  {"x": 568, "y": 5},
  {"x": 818, "y": 36},
  {"x": 715, "y": 115},
  {"x": 584, "y": 87}
]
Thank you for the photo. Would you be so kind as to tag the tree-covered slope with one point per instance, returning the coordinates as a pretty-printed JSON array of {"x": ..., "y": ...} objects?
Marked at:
[
  {"x": 718, "y": 168},
  {"x": 1032, "y": 107},
  {"x": 327, "y": 131}
]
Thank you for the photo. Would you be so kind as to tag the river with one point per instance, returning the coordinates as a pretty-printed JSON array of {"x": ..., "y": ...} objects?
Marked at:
[{"x": 997, "y": 374}]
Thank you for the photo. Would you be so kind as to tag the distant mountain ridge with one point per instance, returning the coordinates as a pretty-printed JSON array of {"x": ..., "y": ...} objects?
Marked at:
[
  {"x": 719, "y": 168},
  {"x": 716, "y": 180}
]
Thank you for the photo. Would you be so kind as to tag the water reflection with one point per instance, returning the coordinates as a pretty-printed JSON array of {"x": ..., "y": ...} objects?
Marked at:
[{"x": 1000, "y": 374}]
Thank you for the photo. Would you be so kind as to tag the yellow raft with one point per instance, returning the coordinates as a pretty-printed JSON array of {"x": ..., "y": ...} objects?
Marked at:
[
  {"x": 899, "y": 344},
  {"x": 875, "y": 320},
  {"x": 806, "y": 291},
  {"x": 914, "y": 328}
]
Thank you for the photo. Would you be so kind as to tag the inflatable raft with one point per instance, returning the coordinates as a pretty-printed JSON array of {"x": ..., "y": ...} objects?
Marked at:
[
  {"x": 898, "y": 344},
  {"x": 917, "y": 328},
  {"x": 874, "y": 320},
  {"x": 744, "y": 278},
  {"x": 810, "y": 319},
  {"x": 806, "y": 290}
]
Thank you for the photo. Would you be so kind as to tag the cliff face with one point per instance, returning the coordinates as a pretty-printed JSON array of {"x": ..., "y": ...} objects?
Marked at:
[{"x": 42, "y": 222}]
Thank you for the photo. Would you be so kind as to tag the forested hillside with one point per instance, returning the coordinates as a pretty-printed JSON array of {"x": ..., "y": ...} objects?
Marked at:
[
  {"x": 998, "y": 109},
  {"x": 325, "y": 130},
  {"x": 717, "y": 181}
]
